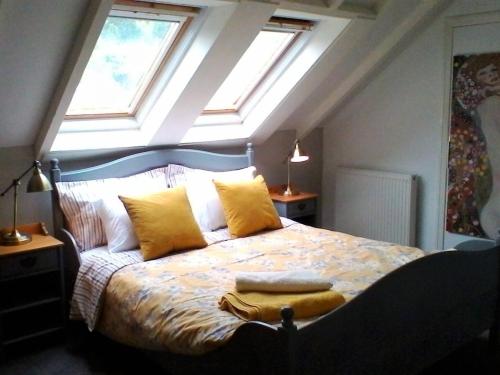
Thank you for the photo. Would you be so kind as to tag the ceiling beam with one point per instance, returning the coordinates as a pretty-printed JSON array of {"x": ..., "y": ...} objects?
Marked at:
[
  {"x": 337, "y": 8},
  {"x": 74, "y": 67}
]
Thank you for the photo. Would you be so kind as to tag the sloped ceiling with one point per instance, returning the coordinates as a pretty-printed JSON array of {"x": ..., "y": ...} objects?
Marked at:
[
  {"x": 376, "y": 45},
  {"x": 36, "y": 37}
]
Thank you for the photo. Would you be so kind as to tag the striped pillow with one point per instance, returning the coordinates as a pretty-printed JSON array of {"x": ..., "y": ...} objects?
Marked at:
[
  {"x": 176, "y": 175},
  {"x": 76, "y": 201}
]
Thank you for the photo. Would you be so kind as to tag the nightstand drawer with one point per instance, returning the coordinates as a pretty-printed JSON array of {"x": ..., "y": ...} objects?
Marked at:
[
  {"x": 301, "y": 208},
  {"x": 26, "y": 264}
]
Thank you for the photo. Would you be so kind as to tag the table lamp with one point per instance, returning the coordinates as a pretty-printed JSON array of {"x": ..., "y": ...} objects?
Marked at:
[
  {"x": 37, "y": 183},
  {"x": 296, "y": 156}
]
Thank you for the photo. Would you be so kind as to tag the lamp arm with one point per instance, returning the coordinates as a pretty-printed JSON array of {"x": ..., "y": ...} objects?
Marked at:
[{"x": 15, "y": 182}]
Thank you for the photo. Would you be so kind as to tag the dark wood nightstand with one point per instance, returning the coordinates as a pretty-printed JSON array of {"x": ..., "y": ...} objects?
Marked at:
[
  {"x": 301, "y": 207},
  {"x": 32, "y": 296}
]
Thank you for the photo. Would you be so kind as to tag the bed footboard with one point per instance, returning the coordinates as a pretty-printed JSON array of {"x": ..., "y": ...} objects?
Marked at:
[
  {"x": 409, "y": 319},
  {"x": 403, "y": 323}
]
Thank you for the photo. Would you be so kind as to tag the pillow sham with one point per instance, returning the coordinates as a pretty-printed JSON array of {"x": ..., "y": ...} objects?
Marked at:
[
  {"x": 247, "y": 206},
  {"x": 176, "y": 175},
  {"x": 204, "y": 199},
  {"x": 164, "y": 222},
  {"x": 77, "y": 199}
]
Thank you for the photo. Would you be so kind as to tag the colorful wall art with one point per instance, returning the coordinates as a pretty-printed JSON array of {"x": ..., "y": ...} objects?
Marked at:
[{"x": 473, "y": 204}]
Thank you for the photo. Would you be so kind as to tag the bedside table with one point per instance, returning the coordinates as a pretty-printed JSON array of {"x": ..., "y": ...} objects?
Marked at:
[
  {"x": 301, "y": 207},
  {"x": 32, "y": 296}
]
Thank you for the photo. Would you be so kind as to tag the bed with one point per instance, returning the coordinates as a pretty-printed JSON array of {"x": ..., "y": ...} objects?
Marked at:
[{"x": 414, "y": 313}]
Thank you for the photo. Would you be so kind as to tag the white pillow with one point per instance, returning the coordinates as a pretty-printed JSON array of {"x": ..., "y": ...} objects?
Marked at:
[
  {"x": 203, "y": 198},
  {"x": 117, "y": 225}
]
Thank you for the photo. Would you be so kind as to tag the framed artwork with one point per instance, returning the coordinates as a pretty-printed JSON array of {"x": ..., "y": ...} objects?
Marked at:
[{"x": 473, "y": 196}]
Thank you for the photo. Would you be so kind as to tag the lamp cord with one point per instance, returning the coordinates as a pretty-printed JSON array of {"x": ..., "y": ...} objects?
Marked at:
[{"x": 288, "y": 181}]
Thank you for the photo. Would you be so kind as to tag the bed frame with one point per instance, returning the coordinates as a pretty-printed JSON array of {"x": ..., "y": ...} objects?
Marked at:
[{"x": 401, "y": 324}]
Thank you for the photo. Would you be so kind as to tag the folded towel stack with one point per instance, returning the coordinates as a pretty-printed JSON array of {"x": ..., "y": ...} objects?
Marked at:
[
  {"x": 285, "y": 281},
  {"x": 262, "y": 295},
  {"x": 267, "y": 307}
]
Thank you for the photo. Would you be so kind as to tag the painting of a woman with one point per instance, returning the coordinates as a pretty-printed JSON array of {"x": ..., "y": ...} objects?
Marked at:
[{"x": 474, "y": 155}]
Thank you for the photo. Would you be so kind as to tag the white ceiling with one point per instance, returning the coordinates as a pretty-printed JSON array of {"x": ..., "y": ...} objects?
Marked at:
[{"x": 36, "y": 37}]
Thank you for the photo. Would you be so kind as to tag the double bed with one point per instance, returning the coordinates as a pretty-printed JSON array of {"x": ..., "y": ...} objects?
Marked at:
[{"x": 405, "y": 308}]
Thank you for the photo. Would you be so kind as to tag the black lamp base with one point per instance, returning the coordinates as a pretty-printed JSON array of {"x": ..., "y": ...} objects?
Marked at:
[{"x": 15, "y": 238}]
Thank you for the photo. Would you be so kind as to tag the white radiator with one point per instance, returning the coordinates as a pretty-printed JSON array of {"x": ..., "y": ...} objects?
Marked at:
[{"x": 377, "y": 205}]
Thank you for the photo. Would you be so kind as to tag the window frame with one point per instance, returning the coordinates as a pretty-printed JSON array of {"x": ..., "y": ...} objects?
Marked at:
[
  {"x": 298, "y": 27},
  {"x": 181, "y": 14}
]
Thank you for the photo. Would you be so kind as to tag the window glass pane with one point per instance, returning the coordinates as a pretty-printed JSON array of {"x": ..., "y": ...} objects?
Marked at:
[
  {"x": 250, "y": 69},
  {"x": 124, "y": 60}
]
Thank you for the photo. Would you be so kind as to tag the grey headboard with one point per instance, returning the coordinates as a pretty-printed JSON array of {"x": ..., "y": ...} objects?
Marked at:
[
  {"x": 144, "y": 161},
  {"x": 133, "y": 164}
]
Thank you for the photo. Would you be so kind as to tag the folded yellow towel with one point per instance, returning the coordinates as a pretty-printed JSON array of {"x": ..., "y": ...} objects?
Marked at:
[{"x": 266, "y": 307}]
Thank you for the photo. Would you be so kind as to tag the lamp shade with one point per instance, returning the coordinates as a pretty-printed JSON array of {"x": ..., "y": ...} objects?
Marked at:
[
  {"x": 38, "y": 182},
  {"x": 298, "y": 154}
]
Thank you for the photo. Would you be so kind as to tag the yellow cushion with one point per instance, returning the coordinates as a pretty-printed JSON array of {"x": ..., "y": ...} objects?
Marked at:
[
  {"x": 248, "y": 208},
  {"x": 164, "y": 222}
]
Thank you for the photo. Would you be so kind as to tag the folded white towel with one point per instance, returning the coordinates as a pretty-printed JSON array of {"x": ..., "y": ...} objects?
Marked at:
[{"x": 283, "y": 281}]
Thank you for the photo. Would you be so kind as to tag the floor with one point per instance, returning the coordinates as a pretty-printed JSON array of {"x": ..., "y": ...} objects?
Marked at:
[{"x": 96, "y": 355}]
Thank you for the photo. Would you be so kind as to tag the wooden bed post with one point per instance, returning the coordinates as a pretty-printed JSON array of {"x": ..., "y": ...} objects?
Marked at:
[
  {"x": 288, "y": 335},
  {"x": 55, "y": 171},
  {"x": 55, "y": 176},
  {"x": 250, "y": 154}
]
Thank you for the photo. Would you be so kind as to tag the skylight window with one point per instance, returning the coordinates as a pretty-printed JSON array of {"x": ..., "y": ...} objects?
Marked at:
[
  {"x": 264, "y": 53},
  {"x": 138, "y": 104},
  {"x": 131, "y": 48}
]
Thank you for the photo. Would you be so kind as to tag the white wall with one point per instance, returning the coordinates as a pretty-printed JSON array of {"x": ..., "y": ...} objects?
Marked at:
[{"x": 396, "y": 122}]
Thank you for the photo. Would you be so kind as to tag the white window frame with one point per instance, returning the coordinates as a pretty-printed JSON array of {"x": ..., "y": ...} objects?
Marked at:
[
  {"x": 133, "y": 120},
  {"x": 250, "y": 100},
  {"x": 238, "y": 117}
]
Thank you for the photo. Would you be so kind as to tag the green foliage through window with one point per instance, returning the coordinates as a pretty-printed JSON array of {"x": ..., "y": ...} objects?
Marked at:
[{"x": 126, "y": 56}]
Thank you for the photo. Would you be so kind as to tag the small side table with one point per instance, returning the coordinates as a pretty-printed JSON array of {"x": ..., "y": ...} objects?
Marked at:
[
  {"x": 301, "y": 207},
  {"x": 32, "y": 302}
]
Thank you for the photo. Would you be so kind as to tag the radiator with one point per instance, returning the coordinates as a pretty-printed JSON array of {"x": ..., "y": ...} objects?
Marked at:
[{"x": 377, "y": 205}]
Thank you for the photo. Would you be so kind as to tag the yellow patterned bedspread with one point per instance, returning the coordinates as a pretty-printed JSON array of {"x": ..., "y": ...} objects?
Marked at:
[{"x": 174, "y": 304}]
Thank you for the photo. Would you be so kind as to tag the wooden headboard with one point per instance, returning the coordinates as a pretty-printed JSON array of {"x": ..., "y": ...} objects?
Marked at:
[{"x": 130, "y": 165}]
